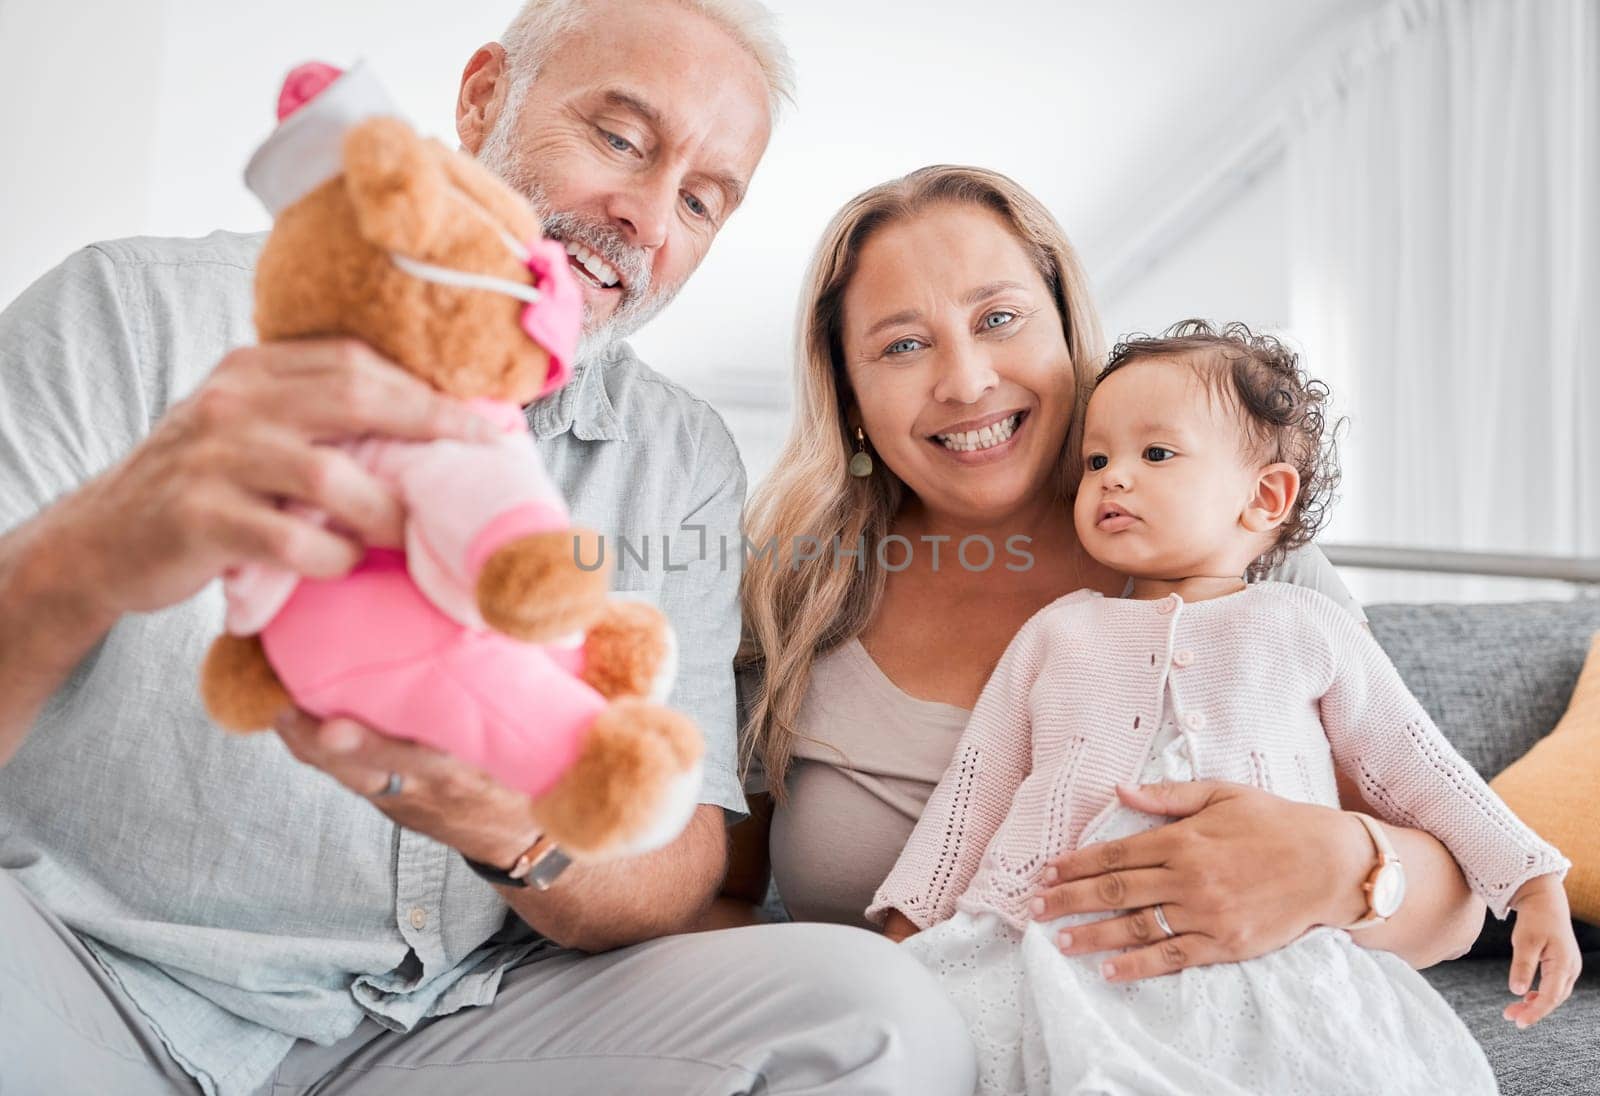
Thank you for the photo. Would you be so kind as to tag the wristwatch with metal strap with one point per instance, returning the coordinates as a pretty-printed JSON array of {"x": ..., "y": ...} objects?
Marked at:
[{"x": 540, "y": 864}]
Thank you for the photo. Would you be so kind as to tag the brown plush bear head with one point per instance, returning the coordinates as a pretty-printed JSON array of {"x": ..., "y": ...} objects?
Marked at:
[{"x": 333, "y": 265}]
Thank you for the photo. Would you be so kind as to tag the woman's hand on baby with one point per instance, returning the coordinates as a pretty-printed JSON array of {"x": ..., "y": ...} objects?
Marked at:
[
  {"x": 1239, "y": 874},
  {"x": 1542, "y": 942}
]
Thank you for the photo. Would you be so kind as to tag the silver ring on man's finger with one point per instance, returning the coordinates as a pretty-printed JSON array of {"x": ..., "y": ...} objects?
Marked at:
[
  {"x": 1161, "y": 920},
  {"x": 391, "y": 788}
]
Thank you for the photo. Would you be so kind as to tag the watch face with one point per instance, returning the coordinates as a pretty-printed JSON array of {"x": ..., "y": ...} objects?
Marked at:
[
  {"x": 1388, "y": 890},
  {"x": 548, "y": 868}
]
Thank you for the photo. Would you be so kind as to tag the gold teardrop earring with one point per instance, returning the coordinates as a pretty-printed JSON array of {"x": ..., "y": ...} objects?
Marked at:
[{"x": 861, "y": 461}]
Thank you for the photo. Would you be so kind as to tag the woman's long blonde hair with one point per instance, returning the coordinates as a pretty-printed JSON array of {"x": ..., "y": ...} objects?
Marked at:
[{"x": 795, "y": 611}]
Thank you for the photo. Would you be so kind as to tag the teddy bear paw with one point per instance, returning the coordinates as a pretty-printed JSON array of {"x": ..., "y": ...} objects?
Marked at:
[
  {"x": 633, "y": 787},
  {"x": 630, "y": 651},
  {"x": 239, "y": 687},
  {"x": 533, "y": 589}
]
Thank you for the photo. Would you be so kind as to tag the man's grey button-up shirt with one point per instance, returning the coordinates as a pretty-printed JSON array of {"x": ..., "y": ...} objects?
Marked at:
[{"x": 241, "y": 899}]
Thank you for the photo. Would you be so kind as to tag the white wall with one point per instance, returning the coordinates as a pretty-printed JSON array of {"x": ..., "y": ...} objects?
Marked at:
[
  {"x": 76, "y": 162},
  {"x": 1234, "y": 267},
  {"x": 124, "y": 118},
  {"x": 137, "y": 117},
  {"x": 140, "y": 115},
  {"x": 146, "y": 112}
]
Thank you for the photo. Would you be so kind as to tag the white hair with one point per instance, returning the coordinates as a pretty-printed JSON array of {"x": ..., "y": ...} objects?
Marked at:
[{"x": 540, "y": 25}]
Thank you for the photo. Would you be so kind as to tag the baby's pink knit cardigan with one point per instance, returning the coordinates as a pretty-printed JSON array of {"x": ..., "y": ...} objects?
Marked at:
[{"x": 1271, "y": 687}]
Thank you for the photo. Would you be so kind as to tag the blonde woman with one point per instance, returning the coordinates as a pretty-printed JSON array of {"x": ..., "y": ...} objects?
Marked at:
[{"x": 947, "y": 341}]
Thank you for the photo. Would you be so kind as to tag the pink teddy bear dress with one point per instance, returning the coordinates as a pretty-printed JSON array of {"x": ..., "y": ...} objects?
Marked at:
[{"x": 399, "y": 644}]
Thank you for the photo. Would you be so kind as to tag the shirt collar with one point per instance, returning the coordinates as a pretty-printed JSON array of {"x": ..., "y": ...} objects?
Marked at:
[{"x": 582, "y": 405}]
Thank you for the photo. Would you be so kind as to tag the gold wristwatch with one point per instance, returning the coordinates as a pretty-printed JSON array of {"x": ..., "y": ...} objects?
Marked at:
[{"x": 1385, "y": 887}]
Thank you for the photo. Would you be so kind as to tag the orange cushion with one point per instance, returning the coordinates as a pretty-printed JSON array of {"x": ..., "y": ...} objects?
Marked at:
[{"x": 1555, "y": 788}]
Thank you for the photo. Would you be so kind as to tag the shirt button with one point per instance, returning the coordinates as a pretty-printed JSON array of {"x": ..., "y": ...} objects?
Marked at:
[
  {"x": 1183, "y": 658},
  {"x": 419, "y": 918}
]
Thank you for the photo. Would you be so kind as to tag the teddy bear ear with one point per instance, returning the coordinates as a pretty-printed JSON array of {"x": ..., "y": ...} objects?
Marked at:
[{"x": 396, "y": 186}]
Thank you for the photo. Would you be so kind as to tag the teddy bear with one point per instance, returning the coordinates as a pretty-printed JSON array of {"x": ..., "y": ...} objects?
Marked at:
[{"x": 485, "y": 635}]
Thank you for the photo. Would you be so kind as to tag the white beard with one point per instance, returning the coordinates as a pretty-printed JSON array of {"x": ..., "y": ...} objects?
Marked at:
[{"x": 641, "y": 299}]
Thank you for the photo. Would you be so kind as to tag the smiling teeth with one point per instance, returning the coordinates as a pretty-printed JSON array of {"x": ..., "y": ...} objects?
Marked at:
[
  {"x": 990, "y": 436},
  {"x": 602, "y": 271}
]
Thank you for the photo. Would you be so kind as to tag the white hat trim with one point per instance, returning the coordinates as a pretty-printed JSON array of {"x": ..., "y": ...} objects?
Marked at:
[{"x": 307, "y": 148}]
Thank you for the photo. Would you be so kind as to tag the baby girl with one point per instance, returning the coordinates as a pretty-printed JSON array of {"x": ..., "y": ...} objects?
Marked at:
[{"x": 1204, "y": 460}]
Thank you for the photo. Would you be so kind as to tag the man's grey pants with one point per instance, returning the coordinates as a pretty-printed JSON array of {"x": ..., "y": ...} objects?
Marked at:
[{"x": 770, "y": 1009}]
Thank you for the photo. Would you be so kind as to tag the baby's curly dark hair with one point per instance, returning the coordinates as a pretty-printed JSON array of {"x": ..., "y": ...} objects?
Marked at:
[{"x": 1284, "y": 411}]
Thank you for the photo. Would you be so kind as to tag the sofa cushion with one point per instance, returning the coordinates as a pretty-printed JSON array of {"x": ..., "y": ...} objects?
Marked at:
[
  {"x": 1495, "y": 677},
  {"x": 1555, "y": 786}
]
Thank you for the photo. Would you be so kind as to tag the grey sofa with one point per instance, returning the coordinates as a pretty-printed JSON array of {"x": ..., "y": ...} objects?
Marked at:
[{"x": 1496, "y": 678}]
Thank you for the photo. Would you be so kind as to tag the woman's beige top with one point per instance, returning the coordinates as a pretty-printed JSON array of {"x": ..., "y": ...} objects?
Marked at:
[{"x": 869, "y": 756}]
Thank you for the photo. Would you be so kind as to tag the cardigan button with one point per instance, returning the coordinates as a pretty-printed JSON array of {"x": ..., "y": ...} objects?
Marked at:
[
  {"x": 1195, "y": 721},
  {"x": 1167, "y": 604},
  {"x": 1183, "y": 658}
]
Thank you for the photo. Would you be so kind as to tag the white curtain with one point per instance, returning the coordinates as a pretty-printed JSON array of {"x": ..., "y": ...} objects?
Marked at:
[{"x": 1444, "y": 196}]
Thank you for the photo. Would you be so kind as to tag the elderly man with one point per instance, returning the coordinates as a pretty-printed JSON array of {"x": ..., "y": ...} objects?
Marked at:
[{"x": 325, "y": 909}]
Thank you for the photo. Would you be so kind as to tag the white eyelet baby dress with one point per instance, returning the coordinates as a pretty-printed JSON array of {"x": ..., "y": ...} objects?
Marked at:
[{"x": 1321, "y": 1017}]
